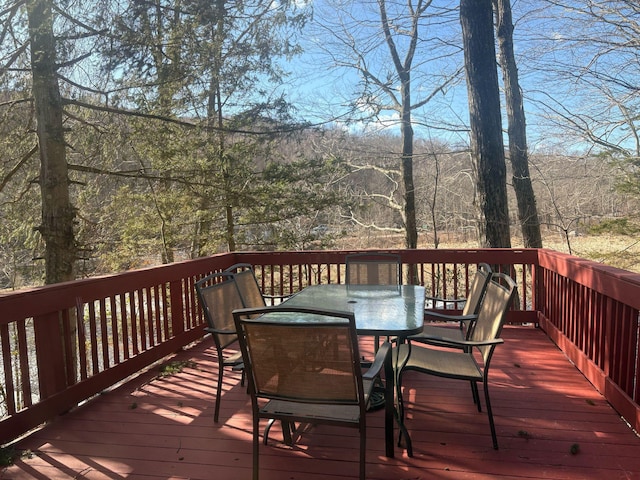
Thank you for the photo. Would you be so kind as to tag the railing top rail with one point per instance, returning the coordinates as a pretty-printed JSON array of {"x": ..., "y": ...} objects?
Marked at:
[
  {"x": 488, "y": 255},
  {"x": 613, "y": 282},
  {"x": 59, "y": 296}
]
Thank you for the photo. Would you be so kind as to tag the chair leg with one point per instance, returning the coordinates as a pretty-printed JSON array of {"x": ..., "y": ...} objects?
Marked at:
[
  {"x": 399, "y": 396},
  {"x": 494, "y": 437},
  {"x": 403, "y": 432},
  {"x": 219, "y": 389},
  {"x": 267, "y": 429},
  {"x": 288, "y": 429},
  {"x": 363, "y": 449},
  {"x": 476, "y": 395},
  {"x": 256, "y": 445}
]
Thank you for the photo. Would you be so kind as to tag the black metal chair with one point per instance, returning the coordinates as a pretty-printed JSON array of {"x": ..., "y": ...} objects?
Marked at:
[
  {"x": 457, "y": 360},
  {"x": 303, "y": 366},
  {"x": 219, "y": 296}
]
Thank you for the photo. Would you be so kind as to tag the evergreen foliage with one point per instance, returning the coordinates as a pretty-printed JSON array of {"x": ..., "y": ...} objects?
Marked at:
[{"x": 180, "y": 140}]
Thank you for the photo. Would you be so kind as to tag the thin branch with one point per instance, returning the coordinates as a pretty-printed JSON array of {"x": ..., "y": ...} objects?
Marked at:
[{"x": 17, "y": 167}]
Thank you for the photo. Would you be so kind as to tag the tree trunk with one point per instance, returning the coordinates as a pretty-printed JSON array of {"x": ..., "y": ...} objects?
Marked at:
[
  {"x": 57, "y": 212},
  {"x": 216, "y": 117},
  {"x": 411, "y": 229},
  {"x": 487, "y": 150},
  {"x": 518, "y": 152},
  {"x": 403, "y": 69}
]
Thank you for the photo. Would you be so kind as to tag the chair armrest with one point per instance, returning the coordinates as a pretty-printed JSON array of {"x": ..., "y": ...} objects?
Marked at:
[
  {"x": 450, "y": 318},
  {"x": 446, "y": 300},
  {"x": 219, "y": 331},
  {"x": 378, "y": 362},
  {"x": 276, "y": 297},
  {"x": 453, "y": 343}
]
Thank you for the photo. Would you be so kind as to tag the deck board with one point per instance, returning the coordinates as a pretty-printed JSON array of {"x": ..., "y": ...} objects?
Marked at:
[{"x": 162, "y": 428}]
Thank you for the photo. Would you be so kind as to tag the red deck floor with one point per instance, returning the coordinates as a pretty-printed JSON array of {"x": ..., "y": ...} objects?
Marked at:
[{"x": 162, "y": 428}]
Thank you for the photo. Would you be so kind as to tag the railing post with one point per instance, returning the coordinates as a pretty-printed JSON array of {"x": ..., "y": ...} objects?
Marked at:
[
  {"x": 177, "y": 307},
  {"x": 537, "y": 289},
  {"x": 50, "y": 354}
]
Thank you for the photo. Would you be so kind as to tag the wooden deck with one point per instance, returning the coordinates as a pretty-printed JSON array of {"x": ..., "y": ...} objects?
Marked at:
[{"x": 162, "y": 428}]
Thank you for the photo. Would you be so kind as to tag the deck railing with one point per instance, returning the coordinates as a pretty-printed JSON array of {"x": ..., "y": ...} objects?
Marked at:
[
  {"x": 63, "y": 344},
  {"x": 591, "y": 312}
]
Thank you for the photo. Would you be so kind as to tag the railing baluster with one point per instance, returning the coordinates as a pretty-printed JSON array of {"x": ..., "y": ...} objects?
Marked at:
[
  {"x": 9, "y": 387},
  {"x": 104, "y": 334},
  {"x": 93, "y": 337},
  {"x": 124, "y": 326},
  {"x": 115, "y": 335},
  {"x": 82, "y": 374},
  {"x": 23, "y": 360}
]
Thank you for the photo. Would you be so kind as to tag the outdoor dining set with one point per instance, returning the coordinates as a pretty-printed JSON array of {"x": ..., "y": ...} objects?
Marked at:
[{"x": 301, "y": 358}]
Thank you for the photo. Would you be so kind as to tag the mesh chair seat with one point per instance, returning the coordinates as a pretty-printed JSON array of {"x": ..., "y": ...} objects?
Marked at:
[
  {"x": 450, "y": 364},
  {"x": 299, "y": 412}
]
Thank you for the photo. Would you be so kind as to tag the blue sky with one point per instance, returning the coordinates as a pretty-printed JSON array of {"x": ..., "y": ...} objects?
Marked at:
[
  {"x": 323, "y": 85},
  {"x": 323, "y": 88}
]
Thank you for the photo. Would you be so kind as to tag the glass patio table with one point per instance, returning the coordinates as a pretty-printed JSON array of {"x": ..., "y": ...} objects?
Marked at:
[{"x": 380, "y": 310}]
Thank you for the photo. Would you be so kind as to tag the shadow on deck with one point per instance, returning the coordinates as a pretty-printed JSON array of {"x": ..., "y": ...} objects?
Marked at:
[{"x": 551, "y": 423}]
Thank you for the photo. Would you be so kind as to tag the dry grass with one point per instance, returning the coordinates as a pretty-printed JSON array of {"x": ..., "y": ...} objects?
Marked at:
[{"x": 622, "y": 251}]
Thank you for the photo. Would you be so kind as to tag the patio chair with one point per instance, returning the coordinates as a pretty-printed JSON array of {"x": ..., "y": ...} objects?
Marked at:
[
  {"x": 219, "y": 296},
  {"x": 247, "y": 282},
  {"x": 466, "y": 320},
  {"x": 374, "y": 269},
  {"x": 458, "y": 360},
  {"x": 305, "y": 364}
]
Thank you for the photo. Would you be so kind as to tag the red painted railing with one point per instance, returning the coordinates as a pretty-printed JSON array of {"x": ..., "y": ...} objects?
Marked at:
[
  {"x": 62, "y": 344},
  {"x": 591, "y": 312}
]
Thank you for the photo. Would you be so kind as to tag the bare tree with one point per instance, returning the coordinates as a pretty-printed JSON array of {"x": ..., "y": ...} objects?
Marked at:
[
  {"x": 487, "y": 151},
  {"x": 586, "y": 66},
  {"x": 385, "y": 61},
  {"x": 518, "y": 150}
]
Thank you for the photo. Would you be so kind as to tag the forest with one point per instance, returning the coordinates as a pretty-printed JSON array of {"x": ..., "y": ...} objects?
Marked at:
[{"x": 141, "y": 132}]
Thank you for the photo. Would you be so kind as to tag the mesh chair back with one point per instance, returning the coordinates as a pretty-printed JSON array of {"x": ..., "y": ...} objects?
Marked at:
[
  {"x": 247, "y": 284},
  {"x": 249, "y": 289},
  {"x": 493, "y": 311},
  {"x": 480, "y": 280},
  {"x": 219, "y": 296},
  {"x": 302, "y": 355},
  {"x": 373, "y": 269}
]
